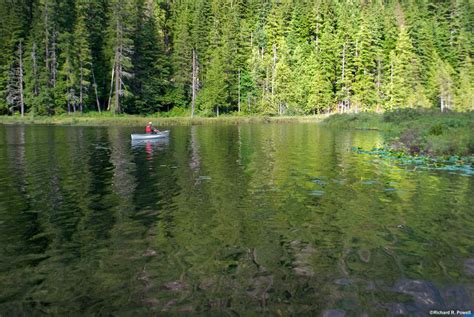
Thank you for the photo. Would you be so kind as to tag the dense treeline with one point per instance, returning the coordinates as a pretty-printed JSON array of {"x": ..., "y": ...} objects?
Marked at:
[{"x": 253, "y": 56}]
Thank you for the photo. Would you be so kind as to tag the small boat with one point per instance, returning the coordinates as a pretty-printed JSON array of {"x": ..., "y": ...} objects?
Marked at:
[{"x": 151, "y": 136}]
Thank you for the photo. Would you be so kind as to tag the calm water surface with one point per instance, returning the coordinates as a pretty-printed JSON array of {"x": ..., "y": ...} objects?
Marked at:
[{"x": 227, "y": 220}]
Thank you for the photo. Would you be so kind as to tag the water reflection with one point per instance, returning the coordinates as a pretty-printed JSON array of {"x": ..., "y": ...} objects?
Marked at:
[{"x": 282, "y": 219}]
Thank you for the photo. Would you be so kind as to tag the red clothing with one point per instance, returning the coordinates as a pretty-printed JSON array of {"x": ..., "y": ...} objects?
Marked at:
[{"x": 148, "y": 129}]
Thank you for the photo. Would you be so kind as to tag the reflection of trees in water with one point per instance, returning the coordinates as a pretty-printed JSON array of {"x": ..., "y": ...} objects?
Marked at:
[
  {"x": 195, "y": 160},
  {"x": 20, "y": 226},
  {"x": 283, "y": 218}
]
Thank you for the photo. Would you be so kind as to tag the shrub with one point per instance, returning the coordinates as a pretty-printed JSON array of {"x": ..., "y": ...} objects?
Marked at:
[
  {"x": 402, "y": 115},
  {"x": 412, "y": 139},
  {"x": 177, "y": 112},
  {"x": 436, "y": 129}
]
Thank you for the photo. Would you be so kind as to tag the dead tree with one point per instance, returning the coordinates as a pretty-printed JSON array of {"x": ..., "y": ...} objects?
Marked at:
[
  {"x": 95, "y": 90},
  {"x": 195, "y": 74},
  {"x": 122, "y": 52},
  {"x": 15, "y": 94}
]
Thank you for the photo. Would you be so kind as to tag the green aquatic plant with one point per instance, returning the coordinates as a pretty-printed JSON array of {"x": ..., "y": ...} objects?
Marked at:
[{"x": 464, "y": 164}]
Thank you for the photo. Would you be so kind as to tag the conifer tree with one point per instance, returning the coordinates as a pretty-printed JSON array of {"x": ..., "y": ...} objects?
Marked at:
[
  {"x": 67, "y": 80},
  {"x": 465, "y": 91},
  {"x": 275, "y": 56},
  {"x": 41, "y": 65},
  {"x": 182, "y": 57},
  {"x": 82, "y": 54},
  {"x": 283, "y": 83},
  {"x": 213, "y": 96},
  {"x": 121, "y": 50},
  {"x": 445, "y": 89},
  {"x": 402, "y": 72},
  {"x": 150, "y": 65},
  {"x": 15, "y": 89},
  {"x": 366, "y": 52},
  {"x": 319, "y": 89}
]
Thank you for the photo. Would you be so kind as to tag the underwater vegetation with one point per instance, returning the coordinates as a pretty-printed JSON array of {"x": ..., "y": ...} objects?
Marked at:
[{"x": 455, "y": 163}]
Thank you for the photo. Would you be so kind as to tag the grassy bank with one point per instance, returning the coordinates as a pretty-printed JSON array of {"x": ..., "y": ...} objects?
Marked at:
[
  {"x": 416, "y": 132},
  {"x": 107, "y": 119},
  {"x": 413, "y": 132}
]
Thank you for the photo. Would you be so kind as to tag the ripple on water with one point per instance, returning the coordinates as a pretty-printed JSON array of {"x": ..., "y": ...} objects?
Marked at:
[
  {"x": 319, "y": 182},
  {"x": 369, "y": 182},
  {"x": 317, "y": 193},
  {"x": 115, "y": 209}
]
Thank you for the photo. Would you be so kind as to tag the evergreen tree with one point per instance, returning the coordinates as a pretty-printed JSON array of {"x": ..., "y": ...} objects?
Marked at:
[
  {"x": 41, "y": 64},
  {"x": 366, "y": 52},
  {"x": 445, "y": 85},
  {"x": 67, "y": 79},
  {"x": 120, "y": 50},
  {"x": 283, "y": 83},
  {"x": 150, "y": 65},
  {"x": 272, "y": 56},
  {"x": 15, "y": 19},
  {"x": 182, "y": 57},
  {"x": 97, "y": 29},
  {"x": 319, "y": 88},
  {"x": 402, "y": 72},
  {"x": 82, "y": 54},
  {"x": 15, "y": 88},
  {"x": 465, "y": 91},
  {"x": 214, "y": 94}
]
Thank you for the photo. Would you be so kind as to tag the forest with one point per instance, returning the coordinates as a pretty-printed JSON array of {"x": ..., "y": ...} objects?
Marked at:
[{"x": 209, "y": 57}]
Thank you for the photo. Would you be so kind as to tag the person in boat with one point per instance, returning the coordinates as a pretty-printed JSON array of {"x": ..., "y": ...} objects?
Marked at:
[{"x": 150, "y": 129}]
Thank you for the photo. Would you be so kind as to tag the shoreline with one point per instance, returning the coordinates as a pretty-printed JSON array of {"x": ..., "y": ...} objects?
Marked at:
[
  {"x": 133, "y": 120},
  {"x": 416, "y": 132},
  {"x": 412, "y": 132}
]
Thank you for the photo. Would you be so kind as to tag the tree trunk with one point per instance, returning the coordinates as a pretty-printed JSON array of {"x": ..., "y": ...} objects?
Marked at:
[
  {"x": 117, "y": 87},
  {"x": 20, "y": 80},
  {"x": 95, "y": 90},
  {"x": 80, "y": 89},
  {"x": 194, "y": 84},
  {"x": 54, "y": 62},
  {"x": 68, "y": 103},
  {"x": 391, "y": 85},
  {"x": 73, "y": 97},
  {"x": 109, "y": 104},
  {"x": 46, "y": 35},
  {"x": 117, "y": 67},
  {"x": 35, "y": 70},
  {"x": 345, "y": 100},
  {"x": 238, "y": 104},
  {"x": 265, "y": 85},
  {"x": 343, "y": 62},
  {"x": 274, "y": 68},
  {"x": 378, "y": 84}
]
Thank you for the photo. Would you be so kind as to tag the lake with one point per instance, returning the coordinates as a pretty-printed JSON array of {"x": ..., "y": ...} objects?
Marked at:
[{"x": 283, "y": 219}]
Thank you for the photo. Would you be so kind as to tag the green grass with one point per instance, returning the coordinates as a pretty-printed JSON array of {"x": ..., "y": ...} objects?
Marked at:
[
  {"x": 108, "y": 119},
  {"x": 416, "y": 132}
]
